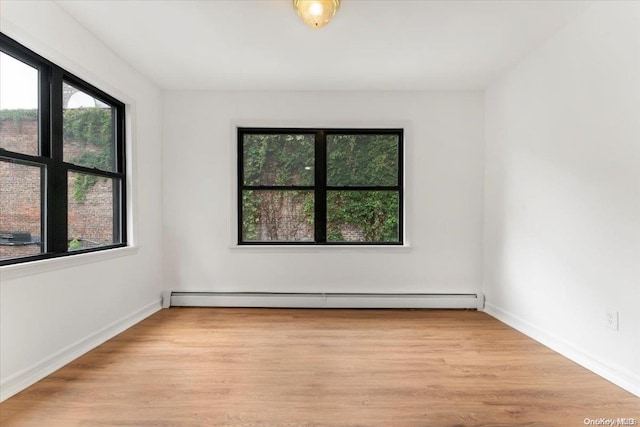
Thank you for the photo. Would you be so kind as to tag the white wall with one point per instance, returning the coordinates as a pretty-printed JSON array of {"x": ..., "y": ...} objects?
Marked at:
[
  {"x": 562, "y": 206},
  {"x": 444, "y": 186},
  {"x": 54, "y": 310}
]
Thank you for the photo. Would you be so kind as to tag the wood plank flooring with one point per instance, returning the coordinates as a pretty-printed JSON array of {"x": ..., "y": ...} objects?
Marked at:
[{"x": 317, "y": 368}]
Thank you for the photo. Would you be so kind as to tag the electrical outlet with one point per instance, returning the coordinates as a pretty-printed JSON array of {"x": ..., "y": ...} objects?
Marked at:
[{"x": 611, "y": 319}]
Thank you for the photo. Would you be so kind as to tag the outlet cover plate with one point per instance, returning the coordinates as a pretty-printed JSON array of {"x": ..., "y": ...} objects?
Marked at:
[{"x": 611, "y": 319}]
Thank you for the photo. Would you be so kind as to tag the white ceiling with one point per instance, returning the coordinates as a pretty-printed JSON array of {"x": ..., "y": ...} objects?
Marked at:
[{"x": 370, "y": 44}]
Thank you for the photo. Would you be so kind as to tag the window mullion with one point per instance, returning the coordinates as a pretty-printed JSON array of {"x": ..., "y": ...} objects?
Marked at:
[
  {"x": 44, "y": 109},
  {"x": 44, "y": 148},
  {"x": 57, "y": 175},
  {"x": 320, "y": 196}
]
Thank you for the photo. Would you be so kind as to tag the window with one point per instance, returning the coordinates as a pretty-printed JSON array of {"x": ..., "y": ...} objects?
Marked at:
[
  {"x": 320, "y": 186},
  {"x": 62, "y": 162}
]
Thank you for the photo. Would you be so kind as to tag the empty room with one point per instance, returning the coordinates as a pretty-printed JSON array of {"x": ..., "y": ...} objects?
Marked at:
[{"x": 319, "y": 213}]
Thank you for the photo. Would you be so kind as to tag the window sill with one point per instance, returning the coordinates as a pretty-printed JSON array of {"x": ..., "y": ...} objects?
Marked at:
[
  {"x": 16, "y": 271},
  {"x": 321, "y": 248}
]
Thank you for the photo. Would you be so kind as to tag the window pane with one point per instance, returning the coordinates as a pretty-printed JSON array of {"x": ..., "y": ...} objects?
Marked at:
[
  {"x": 284, "y": 216},
  {"x": 278, "y": 159},
  {"x": 362, "y": 216},
  {"x": 18, "y": 106},
  {"x": 20, "y": 210},
  {"x": 362, "y": 160},
  {"x": 88, "y": 130},
  {"x": 91, "y": 222}
]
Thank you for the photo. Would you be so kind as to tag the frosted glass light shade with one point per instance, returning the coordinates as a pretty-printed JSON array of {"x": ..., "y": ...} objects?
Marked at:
[{"x": 316, "y": 13}]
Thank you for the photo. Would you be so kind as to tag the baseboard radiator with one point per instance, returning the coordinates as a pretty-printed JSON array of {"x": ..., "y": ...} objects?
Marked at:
[{"x": 323, "y": 300}]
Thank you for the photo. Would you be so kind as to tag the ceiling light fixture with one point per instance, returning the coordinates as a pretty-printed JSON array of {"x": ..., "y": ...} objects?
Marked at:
[{"x": 316, "y": 13}]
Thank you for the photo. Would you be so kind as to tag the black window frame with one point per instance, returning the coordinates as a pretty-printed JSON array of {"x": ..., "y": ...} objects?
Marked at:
[
  {"x": 54, "y": 189},
  {"x": 320, "y": 186}
]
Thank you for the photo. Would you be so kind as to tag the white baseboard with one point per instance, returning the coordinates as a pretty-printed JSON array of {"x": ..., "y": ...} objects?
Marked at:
[
  {"x": 325, "y": 300},
  {"x": 619, "y": 376},
  {"x": 23, "y": 379}
]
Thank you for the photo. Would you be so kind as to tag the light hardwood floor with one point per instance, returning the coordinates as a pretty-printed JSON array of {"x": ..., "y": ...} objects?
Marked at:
[{"x": 316, "y": 368}]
